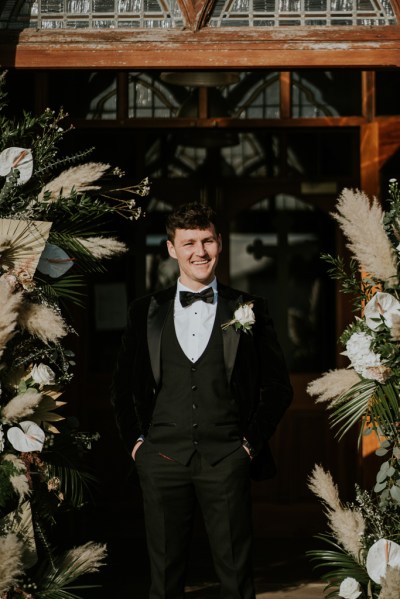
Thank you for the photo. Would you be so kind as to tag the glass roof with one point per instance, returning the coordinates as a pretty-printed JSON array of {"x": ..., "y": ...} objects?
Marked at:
[
  {"x": 90, "y": 14},
  {"x": 144, "y": 14}
]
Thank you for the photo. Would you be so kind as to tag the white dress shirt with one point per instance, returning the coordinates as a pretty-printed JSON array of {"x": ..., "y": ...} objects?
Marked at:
[{"x": 193, "y": 324}]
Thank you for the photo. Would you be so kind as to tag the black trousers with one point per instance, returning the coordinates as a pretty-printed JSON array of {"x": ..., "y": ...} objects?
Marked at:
[{"x": 170, "y": 493}]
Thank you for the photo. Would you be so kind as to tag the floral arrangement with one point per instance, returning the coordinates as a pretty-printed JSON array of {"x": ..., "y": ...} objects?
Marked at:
[
  {"x": 243, "y": 318},
  {"x": 52, "y": 214},
  {"x": 363, "y": 554}
]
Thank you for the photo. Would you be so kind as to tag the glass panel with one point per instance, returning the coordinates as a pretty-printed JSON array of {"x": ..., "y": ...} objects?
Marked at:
[
  {"x": 321, "y": 155},
  {"x": 257, "y": 13},
  {"x": 387, "y": 92},
  {"x": 91, "y": 13},
  {"x": 84, "y": 94},
  {"x": 276, "y": 247},
  {"x": 318, "y": 93},
  {"x": 149, "y": 98}
]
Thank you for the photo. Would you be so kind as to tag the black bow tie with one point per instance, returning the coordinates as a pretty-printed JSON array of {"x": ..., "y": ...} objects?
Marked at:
[{"x": 187, "y": 298}]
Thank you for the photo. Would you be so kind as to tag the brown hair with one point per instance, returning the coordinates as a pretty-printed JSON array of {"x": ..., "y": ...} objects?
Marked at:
[{"x": 190, "y": 216}]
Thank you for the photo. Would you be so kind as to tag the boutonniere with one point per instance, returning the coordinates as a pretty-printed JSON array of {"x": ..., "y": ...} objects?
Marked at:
[{"x": 243, "y": 318}]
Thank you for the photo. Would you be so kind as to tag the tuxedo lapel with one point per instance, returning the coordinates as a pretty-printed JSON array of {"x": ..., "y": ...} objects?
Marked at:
[
  {"x": 159, "y": 307},
  {"x": 227, "y": 304}
]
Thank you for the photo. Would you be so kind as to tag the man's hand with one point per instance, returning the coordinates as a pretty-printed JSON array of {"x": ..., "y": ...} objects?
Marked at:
[{"x": 136, "y": 447}]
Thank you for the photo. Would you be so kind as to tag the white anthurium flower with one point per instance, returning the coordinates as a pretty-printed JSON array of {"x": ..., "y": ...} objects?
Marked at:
[
  {"x": 381, "y": 306},
  {"x": 382, "y": 554},
  {"x": 350, "y": 588},
  {"x": 54, "y": 261},
  {"x": 28, "y": 436},
  {"x": 362, "y": 358},
  {"x": 43, "y": 374},
  {"x": 17, "y": 158}
]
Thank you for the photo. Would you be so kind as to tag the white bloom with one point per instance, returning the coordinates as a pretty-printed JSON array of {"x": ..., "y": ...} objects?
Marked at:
[
  {"x": 243, "y": 318},
  {"x": 358, "y": 350},
  {"x": 27, "y": 437},
  {"x": 382, "y": 554},
  {"x": 245, "y": 315},
  {"x": 43, "y": 374},
  {"x": 350, "y": 588},
  {"x": 381, "y": 306}
]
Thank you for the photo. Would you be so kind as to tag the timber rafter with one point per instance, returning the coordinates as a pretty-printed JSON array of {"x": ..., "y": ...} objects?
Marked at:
[{"x": 198, "y": 46}]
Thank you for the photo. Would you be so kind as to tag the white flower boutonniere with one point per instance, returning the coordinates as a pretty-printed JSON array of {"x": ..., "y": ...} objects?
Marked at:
[{"x": 243, "y": 318}]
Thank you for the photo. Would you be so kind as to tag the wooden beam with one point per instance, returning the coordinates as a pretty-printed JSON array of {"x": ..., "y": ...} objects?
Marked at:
[
  {"x": 284, "y": 48},
  {"x": 369, "y": 159}
]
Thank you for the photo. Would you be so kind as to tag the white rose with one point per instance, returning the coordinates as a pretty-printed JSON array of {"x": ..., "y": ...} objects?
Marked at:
[
  {"x": 381, "y": 306},
  {"x": 43, "y": 374},
  {"x": 350, "y": 588},
  {"x": 245, "y": 315}
]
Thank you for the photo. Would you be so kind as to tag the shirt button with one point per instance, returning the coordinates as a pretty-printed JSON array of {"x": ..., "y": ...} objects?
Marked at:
[
  {"x": 194, "y": 406},
  {"x": 195, "y": 425},
  {"x": 194, "y": 387},
  {"x": 195, "y": 442},
  {"x": 193, "y": 369}
]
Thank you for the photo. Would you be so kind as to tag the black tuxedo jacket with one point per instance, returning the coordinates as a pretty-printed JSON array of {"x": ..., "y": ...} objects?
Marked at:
[{"x": 255, "y": 369}]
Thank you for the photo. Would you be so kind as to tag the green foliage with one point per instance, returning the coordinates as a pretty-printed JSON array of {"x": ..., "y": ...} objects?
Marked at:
[
  {"x": 361, "y": 288},
  {"x": 7, "y": 492},
  {"x": 339, "y": 565}
]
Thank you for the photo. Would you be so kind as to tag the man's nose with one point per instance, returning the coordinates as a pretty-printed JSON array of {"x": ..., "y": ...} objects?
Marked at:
[{"x": 200, "y": 249}]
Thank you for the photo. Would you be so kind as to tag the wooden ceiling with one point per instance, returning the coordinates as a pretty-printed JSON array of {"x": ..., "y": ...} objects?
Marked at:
[{"x": 199, "y": 47}]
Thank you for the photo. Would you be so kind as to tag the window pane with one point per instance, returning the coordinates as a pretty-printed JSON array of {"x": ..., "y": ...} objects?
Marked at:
[
  {"x": 318, "y": 93},
  {"x": 387, "y": 92}
]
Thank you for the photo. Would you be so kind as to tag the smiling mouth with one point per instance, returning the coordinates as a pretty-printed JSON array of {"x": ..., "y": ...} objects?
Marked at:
[{"x": 200, "y": 262}]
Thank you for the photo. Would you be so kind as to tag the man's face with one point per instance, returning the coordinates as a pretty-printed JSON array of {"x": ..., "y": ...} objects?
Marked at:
[{"x": 197, "y": 252}]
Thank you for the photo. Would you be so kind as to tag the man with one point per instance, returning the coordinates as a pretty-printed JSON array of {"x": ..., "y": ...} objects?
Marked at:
[{"x": 197, "y": 395}]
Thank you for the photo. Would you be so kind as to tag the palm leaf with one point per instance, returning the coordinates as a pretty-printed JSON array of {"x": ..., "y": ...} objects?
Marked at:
[
  {"x": 385, "y": 408},
  {"x": 340, "y": 564},
  {"x": 68, "y": 242},
  {"x": 75, "y": 484},
  {"x": 354, "y": 406},
  {"x": 64, "y": 288},
  {"x": 56, "y": 593}
]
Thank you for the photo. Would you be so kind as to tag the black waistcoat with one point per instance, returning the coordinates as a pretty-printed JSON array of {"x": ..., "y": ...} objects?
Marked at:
[{"x": 194, "y": 410}]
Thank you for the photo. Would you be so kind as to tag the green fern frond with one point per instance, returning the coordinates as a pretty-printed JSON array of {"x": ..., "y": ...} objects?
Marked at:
[{"x": 64, "y": 162}]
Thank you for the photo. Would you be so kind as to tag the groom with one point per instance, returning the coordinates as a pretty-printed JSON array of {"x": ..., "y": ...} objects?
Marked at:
[{"x": 197, "y": 395}]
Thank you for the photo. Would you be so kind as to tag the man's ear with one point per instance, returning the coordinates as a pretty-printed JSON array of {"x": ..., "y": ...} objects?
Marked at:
[
  {"x": 171, "y": 249},
  {"x": 219, "y": 239}
]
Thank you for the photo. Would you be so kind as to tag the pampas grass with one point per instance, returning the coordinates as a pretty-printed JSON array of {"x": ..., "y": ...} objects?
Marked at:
[
  {"x": 361, "y": 222},
  {"x": 21, "y": 406},
  {"x": 42, "y": 321},
  {"x": 20, "y": 484},
  {"x": 332, "y": 384},
  {"x": 10, "y": 303},
  {"x": 78, "y": 178},
  {"x": 346, "y": 525},
  {"x": 11, "y": 549},
  {"x": 103, "y": 247},
  {"x": 390, "y": 584}
]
